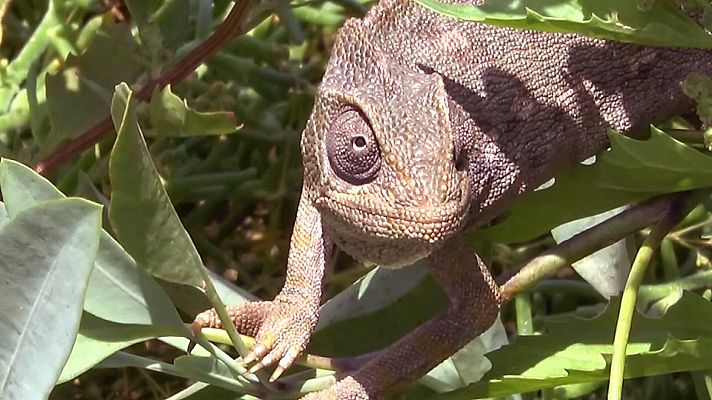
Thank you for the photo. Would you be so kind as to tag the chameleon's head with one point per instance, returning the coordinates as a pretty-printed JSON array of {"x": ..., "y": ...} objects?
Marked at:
[{"x": 381, "y": 163}]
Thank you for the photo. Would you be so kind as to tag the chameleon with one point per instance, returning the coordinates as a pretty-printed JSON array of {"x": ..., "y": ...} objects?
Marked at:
[{"x": 424, "y": 128}]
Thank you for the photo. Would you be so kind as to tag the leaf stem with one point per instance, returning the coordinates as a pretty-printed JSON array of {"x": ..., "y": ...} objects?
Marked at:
[
  {"x": 17, "y": 69},
  {"x": 676, "y": 211},
  {"x": 523, "y": 309}
]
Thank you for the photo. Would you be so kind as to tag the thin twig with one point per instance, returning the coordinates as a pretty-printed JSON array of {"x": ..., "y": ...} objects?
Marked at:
[
  {"x": 229, "y": 28},
  {"x": 585, "y": 243}
]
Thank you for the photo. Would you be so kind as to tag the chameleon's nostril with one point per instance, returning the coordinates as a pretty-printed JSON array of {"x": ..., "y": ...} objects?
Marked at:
[{"x": 460, "y": 158}]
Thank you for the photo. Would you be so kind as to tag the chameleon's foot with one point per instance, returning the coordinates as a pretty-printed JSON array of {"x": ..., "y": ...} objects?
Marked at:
[
  {"x": 345, "y": 389},
  {"x": 247, "y": 317},
  {"x": 281, "y": 331}
]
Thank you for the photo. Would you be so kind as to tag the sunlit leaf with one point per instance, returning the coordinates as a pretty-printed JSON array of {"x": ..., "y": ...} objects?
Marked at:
[
  {"x": 575, "y": 350},
  {"x": 630, "y": 171},
  {"x": 47, "y": 254},
  {"x": 141, "y": 212},
  {"x": 606, "y": 269},
  {"x": 171, "y": 116},
  {"x": 98, "y": 339},
  {"x": 118, "y": 290},
  {"x": 653, "y": 23}
]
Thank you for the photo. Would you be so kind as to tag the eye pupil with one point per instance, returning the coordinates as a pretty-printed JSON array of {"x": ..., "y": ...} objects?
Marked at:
[{"x": 359, "y": 143}]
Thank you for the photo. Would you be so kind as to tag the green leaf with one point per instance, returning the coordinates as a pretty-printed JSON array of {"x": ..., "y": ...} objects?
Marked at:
[
  {"x": 658, "y": 23},
  {"x": 79, "y": 95},
  {"x": 164, "y": 23},
  {"x": 387, "y": 304},
  {"x": 210, "y": 370},
  {"x": 203, "y": 391},
  {"x": 632, "y": 170},
  {"x": 381, "y": 321},
  {"x": 23, "y": 188},
  {"x": 3, "y": 214},
  {"x": 384, "y": 287},
  {"x": 141, "y": 212},
  {"x": 118, "y": 290},
  {"x": 606, "y": 269},
  {"x": 122, "y": 359},
  {"x": 98, "y": 339},
  {"x": 468, "y": 364},
  {"x": 575, "y": 350},
  {"x": 171, "y": 116},
  {"x": 48, "y": 252}
]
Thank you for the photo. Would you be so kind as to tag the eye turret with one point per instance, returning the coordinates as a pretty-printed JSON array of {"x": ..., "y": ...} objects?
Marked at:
[{"x": 352, "y": 149}]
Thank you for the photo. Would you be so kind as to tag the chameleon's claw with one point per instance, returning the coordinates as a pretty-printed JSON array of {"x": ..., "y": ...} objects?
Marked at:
[
  {"x": 277, "y": 373},
  {"x": 256, "y": 368},
  {"x": 284, "y": 363}
]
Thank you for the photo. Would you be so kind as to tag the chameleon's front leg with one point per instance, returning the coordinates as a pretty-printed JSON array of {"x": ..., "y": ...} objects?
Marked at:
[
  {"x": 474, "y": 298},
  {"x": 282, "y": 327}
]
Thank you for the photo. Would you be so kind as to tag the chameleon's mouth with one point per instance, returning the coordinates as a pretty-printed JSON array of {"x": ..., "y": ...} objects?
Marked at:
[{"x": 384, "y": 220}]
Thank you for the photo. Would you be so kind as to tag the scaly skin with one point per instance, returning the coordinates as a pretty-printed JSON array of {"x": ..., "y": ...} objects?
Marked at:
[{"x": 424, "y": 127}]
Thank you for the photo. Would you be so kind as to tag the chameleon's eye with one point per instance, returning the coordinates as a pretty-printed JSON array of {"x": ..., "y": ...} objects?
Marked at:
[{"x": 352, "y": 148}]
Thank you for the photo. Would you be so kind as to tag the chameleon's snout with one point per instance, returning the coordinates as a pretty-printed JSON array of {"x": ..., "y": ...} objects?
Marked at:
[{"x": 385, "y": 233}]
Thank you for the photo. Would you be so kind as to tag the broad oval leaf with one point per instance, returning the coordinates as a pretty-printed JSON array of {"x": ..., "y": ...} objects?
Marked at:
[
  {"x": 118, "y": 290},
  {"x": 99, "y": 339},
  {"x": 141, "y": 212},
  {"x": 47, "y": 254}
]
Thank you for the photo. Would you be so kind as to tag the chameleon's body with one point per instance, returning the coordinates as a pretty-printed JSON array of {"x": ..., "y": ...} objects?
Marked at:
[{"x": 425, "y": 126}]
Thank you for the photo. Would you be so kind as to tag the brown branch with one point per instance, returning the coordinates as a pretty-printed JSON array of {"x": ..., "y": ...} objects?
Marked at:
[
  {"x": 230, "y": 27},
  {"x": 587, "y": 242},
  {"x": 3, "y": 10}
]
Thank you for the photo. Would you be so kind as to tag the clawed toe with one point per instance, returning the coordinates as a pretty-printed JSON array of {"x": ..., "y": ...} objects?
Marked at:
[{"x": 281, "y": 331}]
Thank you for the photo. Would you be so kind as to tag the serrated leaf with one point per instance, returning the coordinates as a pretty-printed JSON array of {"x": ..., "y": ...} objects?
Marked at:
[
  {"x": 575, "y": 350},
  {"x": 632, "y": 170},
  {"x": 171, "y": 116},
  {"x": 79, "y": 95},
  {"x": 141, "y": 212},
  {"x": 118, "y": 290},
  {"x": 47, "y": 254},
  {"x": 658, "y": 23}
]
